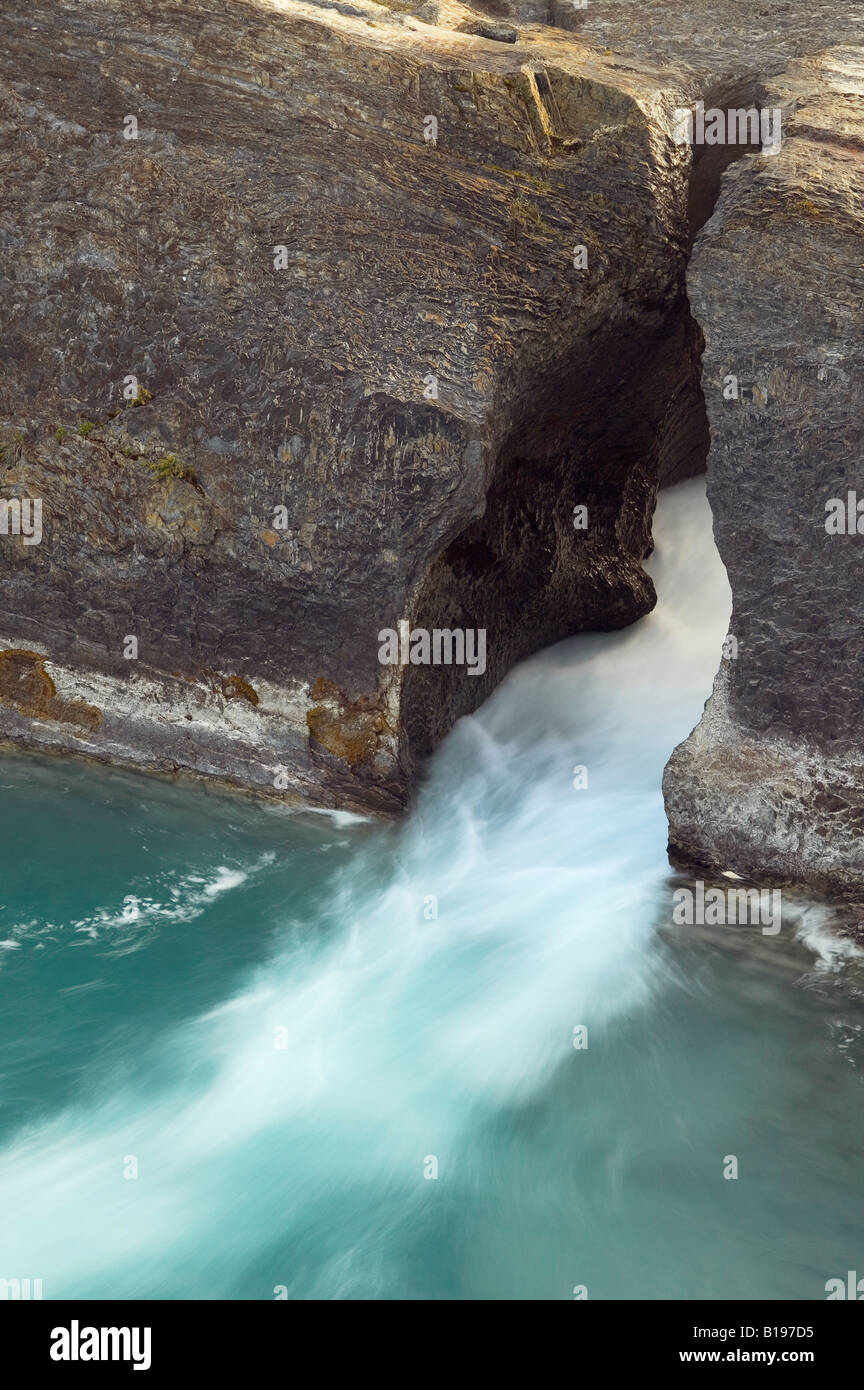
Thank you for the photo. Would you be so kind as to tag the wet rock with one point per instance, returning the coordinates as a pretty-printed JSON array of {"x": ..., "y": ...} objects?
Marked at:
[
  {"x": 396, "y": 300},
  {"x": 771, "y": 783},
  {"x": 324, "y": 316}
]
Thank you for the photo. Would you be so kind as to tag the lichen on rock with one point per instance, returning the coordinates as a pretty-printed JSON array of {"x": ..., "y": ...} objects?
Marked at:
[
  {"x": 350, "y": 730},
  {"x": 26, "y": 687}
]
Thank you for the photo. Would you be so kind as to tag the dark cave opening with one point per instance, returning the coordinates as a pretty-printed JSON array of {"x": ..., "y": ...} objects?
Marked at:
[{"x": 605, "y": 434}]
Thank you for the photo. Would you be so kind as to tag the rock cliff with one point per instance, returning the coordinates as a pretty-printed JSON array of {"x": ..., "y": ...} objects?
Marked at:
[
  {"x": 323, "y": 317},
  {"x": 317, "y": 319},
  {"x": 771, "y": 783}
]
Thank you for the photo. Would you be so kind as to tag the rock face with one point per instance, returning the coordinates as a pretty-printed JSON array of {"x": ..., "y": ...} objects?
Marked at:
[
  {"x": 323, "y": 317},
  {"x": 771, "y": 783},
  {"x": 318, "y": 319}
]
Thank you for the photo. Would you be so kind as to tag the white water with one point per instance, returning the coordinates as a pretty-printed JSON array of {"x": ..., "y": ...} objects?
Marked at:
[{"x": 401, "y": 1038}]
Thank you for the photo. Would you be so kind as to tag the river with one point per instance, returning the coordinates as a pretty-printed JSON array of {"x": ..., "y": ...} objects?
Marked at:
[{"x": 246, "y": 1053}]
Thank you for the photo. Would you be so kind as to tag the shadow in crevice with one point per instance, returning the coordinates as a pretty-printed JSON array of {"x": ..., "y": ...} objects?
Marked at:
[
  {"x": 710, "y": 162},
  {"x": 603, "y": 433}
]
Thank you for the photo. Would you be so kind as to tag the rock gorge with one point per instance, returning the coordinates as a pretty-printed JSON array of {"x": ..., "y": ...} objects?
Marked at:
[
  {"x": 771, "y": 783},
  {"x": 399, "y": 288}
]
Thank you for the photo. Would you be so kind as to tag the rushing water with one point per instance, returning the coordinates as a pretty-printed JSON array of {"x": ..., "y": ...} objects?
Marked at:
[{"x": 262, "y": 1013}]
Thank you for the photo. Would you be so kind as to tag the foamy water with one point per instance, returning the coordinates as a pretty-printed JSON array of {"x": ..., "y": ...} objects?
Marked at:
[{"x": 384, "y": 1099}]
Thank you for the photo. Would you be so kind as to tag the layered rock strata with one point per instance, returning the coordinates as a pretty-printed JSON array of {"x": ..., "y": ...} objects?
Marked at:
[
  {"x": 323, "y": 318},
  {"x": 319, "y": 319},
  {"x": 771, "y": 783}
]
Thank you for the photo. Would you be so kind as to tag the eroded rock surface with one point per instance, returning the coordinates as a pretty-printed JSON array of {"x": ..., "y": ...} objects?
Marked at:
[
  {"x": 346, "y": 337},
  {"x": 771, "y": 783},
  {"x": 401, "y": 287}
]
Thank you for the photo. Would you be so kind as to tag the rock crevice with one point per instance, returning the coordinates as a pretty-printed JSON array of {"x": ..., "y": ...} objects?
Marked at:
[
  {"x": 771, "y": 783},
  {"x": 395, "y": 300},
  {"x": 326, "y": 318}
]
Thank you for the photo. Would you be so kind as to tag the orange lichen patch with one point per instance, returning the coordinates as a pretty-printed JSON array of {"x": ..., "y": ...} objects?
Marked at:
[
  {"x": 24, "y": 682},
  {"x": 806, "y": 207},
  {"x": 270, "y": 537},
  {"x": 349, "y": 729},
  {"x": 26, "y": 686},
  {"x": 233, "y": 688}
]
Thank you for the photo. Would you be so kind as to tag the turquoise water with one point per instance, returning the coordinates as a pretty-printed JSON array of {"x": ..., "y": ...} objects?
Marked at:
[{"x": 270, "y": 1020}]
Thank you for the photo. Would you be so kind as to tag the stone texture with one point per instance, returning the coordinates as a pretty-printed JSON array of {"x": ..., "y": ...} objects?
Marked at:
[
  {"x": 718, "y": 41},
  {"x": 302, "y": 127},
  {"x": 771, "y": 784}
]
